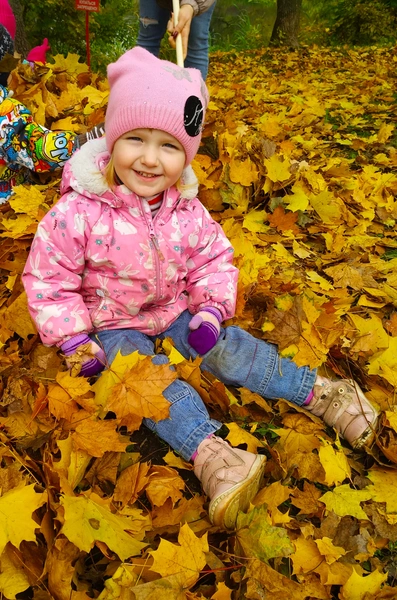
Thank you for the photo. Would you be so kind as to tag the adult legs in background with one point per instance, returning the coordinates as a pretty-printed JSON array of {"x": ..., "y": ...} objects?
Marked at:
[
  {"x": 198, "y": 45},
  {"x": 153, "y": 24}
]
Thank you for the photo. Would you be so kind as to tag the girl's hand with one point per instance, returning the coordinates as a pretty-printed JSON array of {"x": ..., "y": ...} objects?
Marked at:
[
  {"x": 85, "y": 357},
  {"x": 205, "y": 329},
  {"x": 184, "y": 21}
]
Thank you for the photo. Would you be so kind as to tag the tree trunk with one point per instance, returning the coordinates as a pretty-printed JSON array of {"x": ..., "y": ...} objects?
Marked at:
[
  {"x": 22, "y": 45},
  {"x": 286, "y": 27}
]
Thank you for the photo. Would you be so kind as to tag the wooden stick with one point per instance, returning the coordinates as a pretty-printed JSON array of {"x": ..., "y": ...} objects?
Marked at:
[{"x": 178, "y": 41}]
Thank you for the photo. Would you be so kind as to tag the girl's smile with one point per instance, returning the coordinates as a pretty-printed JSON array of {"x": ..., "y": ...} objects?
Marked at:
[{"x": 148, "y": 161}]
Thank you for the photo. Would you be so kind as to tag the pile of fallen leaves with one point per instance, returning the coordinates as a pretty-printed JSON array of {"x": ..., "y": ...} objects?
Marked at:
[{"x": 298, "y": 164}]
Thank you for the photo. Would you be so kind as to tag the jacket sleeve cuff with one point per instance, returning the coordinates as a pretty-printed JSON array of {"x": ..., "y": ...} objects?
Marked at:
[
  {"x": 74, "y": 342},
  {"x": 213, "y": 311},
  {"x": 220, "y": 307}
]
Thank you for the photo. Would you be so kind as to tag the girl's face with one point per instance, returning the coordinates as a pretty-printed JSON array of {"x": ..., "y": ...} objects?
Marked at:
[{"x": 148, "y": 161}]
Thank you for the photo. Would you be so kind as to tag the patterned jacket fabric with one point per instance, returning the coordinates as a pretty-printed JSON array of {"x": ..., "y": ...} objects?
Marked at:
[
  {"x": 27, "y": 147},
  {"x": 100, "y": 261}
]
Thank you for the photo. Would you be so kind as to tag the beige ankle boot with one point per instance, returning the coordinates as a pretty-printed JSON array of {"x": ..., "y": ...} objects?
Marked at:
[
  {"x": 342, "y": 405},
  {"x": 230, "y": 477}
]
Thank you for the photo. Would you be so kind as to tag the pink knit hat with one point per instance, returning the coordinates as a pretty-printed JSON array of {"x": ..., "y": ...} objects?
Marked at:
[
  {"x": 7, "y": 18},
  {"x": 148, "y": 92}
]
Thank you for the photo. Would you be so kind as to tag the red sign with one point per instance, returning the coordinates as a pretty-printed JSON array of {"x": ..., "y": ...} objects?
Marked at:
[{"x": 91, "y": 5}]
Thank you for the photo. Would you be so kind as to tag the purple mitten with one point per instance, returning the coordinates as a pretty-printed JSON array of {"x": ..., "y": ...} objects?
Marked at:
[
  {"x": 205, "y": 328},
  {"x": 93, "y": 365}
]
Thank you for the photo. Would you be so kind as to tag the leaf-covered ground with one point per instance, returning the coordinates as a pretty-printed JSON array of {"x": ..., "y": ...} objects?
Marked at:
[{"x": 298, "y": 163}]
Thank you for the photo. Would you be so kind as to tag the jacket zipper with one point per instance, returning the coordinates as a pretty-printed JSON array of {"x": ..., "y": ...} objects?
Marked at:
[{"x": 157, "y": 255}]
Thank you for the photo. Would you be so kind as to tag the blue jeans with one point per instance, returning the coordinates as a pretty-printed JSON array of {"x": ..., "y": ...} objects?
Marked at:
[
  {"x": 153, "y": 24},
  {"x": 237, "y": 359}
]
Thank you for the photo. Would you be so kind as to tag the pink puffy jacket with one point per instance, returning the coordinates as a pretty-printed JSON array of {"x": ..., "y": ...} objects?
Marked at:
[{"x": 99, "y": 261}]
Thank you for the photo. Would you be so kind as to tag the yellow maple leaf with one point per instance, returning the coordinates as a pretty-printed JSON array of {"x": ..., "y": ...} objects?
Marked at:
[
  {"x": 16, "y": 508},
  {"x": 277, "y": 169},
  {"x": 345, "y": 276},
  {"x": 184, "y": 561},
  {"x": 120, "y": 584},
  {"x": 254, "y": 221},
  {"x": 66, "y": 124},
  {"x": 371, "y": 334},
  {"x": 298, "y": 200},
  {"x": 71, "y": 64},
  {"x": 360, "y": 588},
  {"x": 60, "y": 403},
  {"x": 307, "y": 465},
  {"x": 385, "y": 132},
  {"x": 299, "y": 433},
  {"x": 335, "y": 463},
  {"x": 306, "y": 557},
  {"x": 328, "y": 207},
  {"x": 324, "y": 284},
  {"x": 391, "y": 419},
  {"x": 174, "y": 356},
  {"x": 172, "y": 460},
  {"x": 133, "y": 388},
  {"x": 327, "y": 549},
  {"x": 222, "y": 592},
  {"x": 238, "y": 436},
  {"x": 273, "y": 496},
  {"x": 16, "y": 228},
  {"x": 27, "y": 200},
  {"x": 310, "y": 349},
  {"x": 18, "y": 319},
  {"x": 382, "y": 490},
  {"x": 88, "y": 520},
  {"x": 166, "y": 588},
  {"x": 270, "y": 126},
  {"x": 336, "y": 574},
  {"x": 13, "y": 579},
  {"x": 243, "y": 171},
  {"x": 343, "y": 501},
  {"x": 72, "y": 465},
  {"x": 384, "y": 362},
  {"x": 74, "y": 386}
]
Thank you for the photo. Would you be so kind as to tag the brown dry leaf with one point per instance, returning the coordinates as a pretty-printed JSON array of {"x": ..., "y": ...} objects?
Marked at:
[
  {"x": 60, "y": 563},
  {"x": 287, "y": 325},
  {"x": 190, "y": 511},
  {"x": 164, "y": 483},
  {"x": 131, "y": 482},
  {"x": 283, "y": 221},
  {"x": 307, "y": 499}
]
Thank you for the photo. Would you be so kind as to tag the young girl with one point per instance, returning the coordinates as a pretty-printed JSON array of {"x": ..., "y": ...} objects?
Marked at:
[{"x": 129, "y": 255}]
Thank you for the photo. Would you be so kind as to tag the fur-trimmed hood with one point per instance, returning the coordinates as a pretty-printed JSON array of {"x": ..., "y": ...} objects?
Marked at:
[{"x": 84, "y": 174}]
